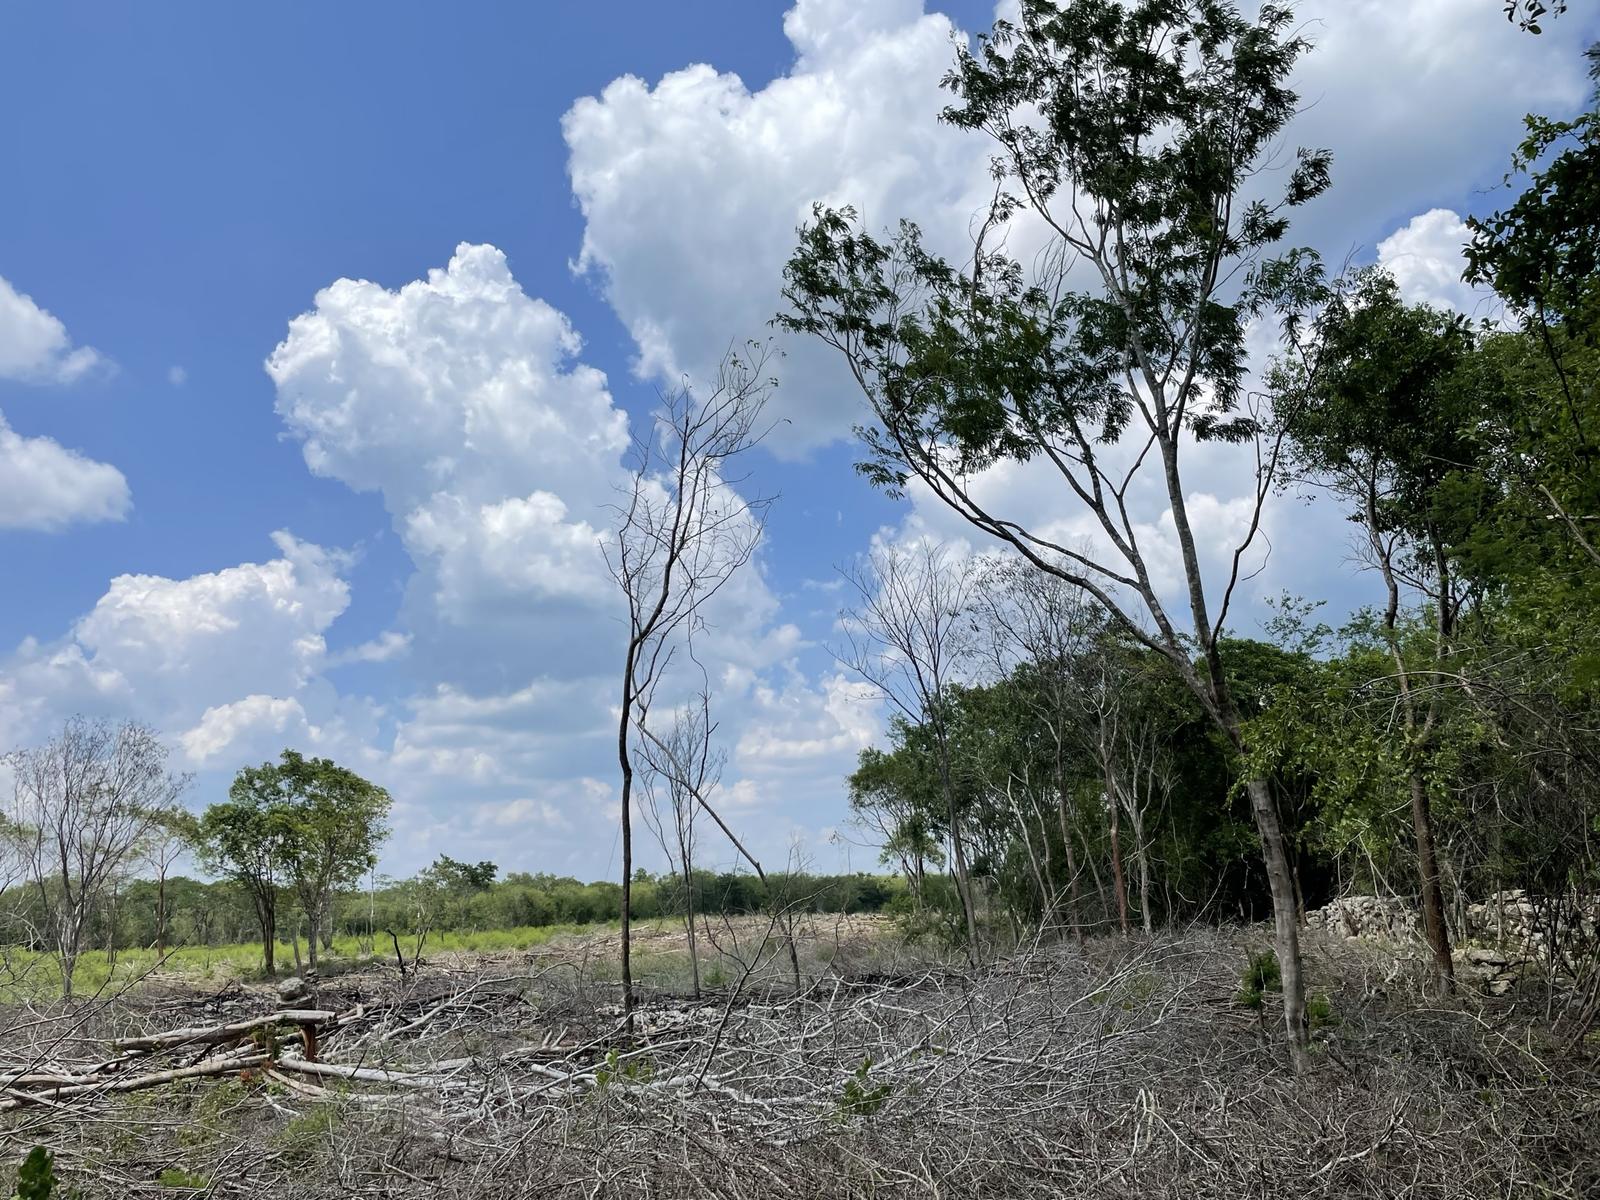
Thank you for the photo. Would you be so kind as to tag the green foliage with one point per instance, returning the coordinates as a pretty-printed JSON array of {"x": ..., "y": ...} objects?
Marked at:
[
  {"x": 860, "y": 1097},
  {"x": 966, "y": 368},
  {"x": 1319, "y": 1012},
  {"x": 304, "y": 1136},
  {"x": 1261, "y": 975},
  {"x": 614, "y": 1070},
  {"x": 36, "y": 1177}
]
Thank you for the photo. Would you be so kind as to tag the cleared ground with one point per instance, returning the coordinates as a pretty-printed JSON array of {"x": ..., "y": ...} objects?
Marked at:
[{"x": 1125, "y": 1069}]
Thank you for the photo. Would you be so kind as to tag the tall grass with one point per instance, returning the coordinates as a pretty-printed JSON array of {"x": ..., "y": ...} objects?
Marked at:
[{"x": 36, "y": 975}]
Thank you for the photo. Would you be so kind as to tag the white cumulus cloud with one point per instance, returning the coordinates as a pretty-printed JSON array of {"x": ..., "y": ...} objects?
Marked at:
[
  {"x": 1426, "y": 257},
  {"x": 46, "y": 486},
  {"x": 34, "y": 346}
]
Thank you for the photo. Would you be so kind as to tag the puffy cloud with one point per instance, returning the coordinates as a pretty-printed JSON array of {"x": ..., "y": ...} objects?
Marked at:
[
  {"x": 267, "y": 722},
  {"x": 459, "y": 383},
  {"x": 182, "y": 652},
  {"x": 44, "y": 485},
  {"x": 34, "y": 346},
  {"x": 459, "y": 399},
  {"x": 1426, "y": 257},
  {"x": 692, "y": 189}
]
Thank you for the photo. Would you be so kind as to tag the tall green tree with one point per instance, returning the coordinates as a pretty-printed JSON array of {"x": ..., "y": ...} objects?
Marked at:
[
  {"x": 1382, "y": 417},
  {"x": 1134, "y": 135},
  {"x": 248, "y": 838},
  {"x": 336, "y": 826},
  {"x": 305, "y": 824}
]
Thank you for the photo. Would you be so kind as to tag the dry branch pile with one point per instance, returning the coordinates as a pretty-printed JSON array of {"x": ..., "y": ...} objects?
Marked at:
[{"x": 1129, "y": 1071}]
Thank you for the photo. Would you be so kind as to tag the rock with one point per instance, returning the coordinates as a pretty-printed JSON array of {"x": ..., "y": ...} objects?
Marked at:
[{"x": 293, "y": 988}]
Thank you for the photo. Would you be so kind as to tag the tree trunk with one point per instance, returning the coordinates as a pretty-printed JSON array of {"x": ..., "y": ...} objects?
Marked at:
[
  {"x": 627, "y": 880},
  {"x": 1285, "y": 924},
  {"x": 625, "y": 762},
  {"x": 1118, "y": 882},
  {"x": 313, "y": 922},
  {"x": 1141, "y": 858},
  {"x": 1432, "y": 892},
  {"x": 694, "y": 954},
  {"x": 958, "y": 851},
  {"x": 267, "y": 914},
  {"x": 1075, "y": 912},
  {"x": 686, "y": 857},
  {"x": 161, "y": 916}
]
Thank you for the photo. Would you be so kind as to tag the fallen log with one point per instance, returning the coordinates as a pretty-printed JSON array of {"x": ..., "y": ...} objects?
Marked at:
[
  {"x": 225, "y": 1065},
  {"x": 215, "y": 1034}
]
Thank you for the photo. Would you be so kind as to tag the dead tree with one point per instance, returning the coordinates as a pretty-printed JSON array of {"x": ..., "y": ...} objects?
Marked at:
[
  {"x": 683, "y": 759},
  {"x": 682, "y": 532},
  {"x": 907, "y": 635},
  {"x": 686, "y": 767},
  {"x": 81, "y": 806}
]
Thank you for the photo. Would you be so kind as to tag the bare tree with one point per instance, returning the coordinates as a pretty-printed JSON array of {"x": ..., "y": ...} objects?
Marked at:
[
  {"x": 682, "y": 532},
  {"x": 907, "y": 635},
  {"x": 81, "y": 806},
  {"x": 692, "y": 771},
  {"x": 173, "y": 834},
  {"x": 686, "y": 767},
  {"x": 1056, "y": 630}
]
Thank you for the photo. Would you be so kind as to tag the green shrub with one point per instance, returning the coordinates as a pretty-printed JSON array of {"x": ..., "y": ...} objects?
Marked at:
[
  {"x": 36, "y": 1178},
  {"x": 1319, "y": 1012},
  {"x": 1261, "y": 975},
  {"x": 861, "y": 1097}
]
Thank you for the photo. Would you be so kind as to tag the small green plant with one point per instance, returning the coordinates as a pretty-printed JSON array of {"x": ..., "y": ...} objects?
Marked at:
[
  {"x": 179, "y": 1179},
  {"x": 861, "y": 1097},
  {"x": 615, "y": 1070},
  {"x": 1261, "y": 975},
  {"x": 1319, "y": 1012},
  {"x": 36, "y": 1178}
]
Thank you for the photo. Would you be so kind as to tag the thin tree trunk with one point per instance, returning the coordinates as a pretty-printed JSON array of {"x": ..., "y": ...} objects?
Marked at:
[
  {"x": 313, "y": 921},
  {"x": 161, "y": 915},
  {"x": 625, "y": 760},
  {"x": 266, "y": 912},
  {"x": 958, "y": 851},
  {"x": 1141, "y": 858},
  {"x": 1116, "y": 845},
  {"x": 1432, "y": 892},
  {"x": 685, "y": 856},
  {"x": 1285, "y": 925},
  {"x": 1074, "y": 899}
]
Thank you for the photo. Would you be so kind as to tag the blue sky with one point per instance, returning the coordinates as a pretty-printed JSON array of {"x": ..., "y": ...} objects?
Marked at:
[{"x": 179, "y": 182}]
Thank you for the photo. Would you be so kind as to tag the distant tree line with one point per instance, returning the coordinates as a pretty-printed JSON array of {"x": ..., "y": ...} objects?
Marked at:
[
  {"x": 441, "y": 899},
  {"x": 95, "y": 827}
]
